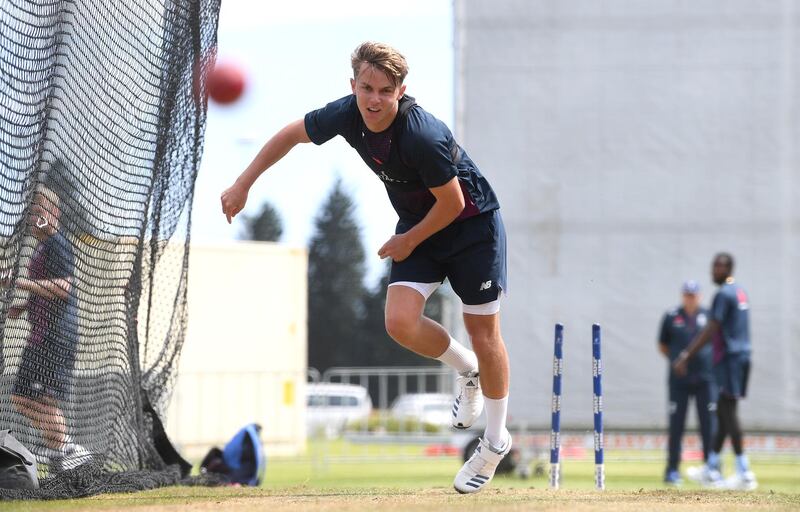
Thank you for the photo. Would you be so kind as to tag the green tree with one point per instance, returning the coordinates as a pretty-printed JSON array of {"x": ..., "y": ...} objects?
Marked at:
[
  {"x": 266, "y": 226},
  {"x": 335, "y": 284}
]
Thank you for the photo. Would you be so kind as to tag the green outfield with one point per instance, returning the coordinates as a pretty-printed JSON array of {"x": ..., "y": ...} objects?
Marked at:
[
  {"x": 777, "y": 475},
  {"x": 327, "y": 481}
]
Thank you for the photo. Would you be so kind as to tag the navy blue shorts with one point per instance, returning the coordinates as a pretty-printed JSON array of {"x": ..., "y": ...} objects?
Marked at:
[
  {"x": 471, "y": 254},
  {"x": 732, "y": 374},
  {"x": 43, "y": 373}
]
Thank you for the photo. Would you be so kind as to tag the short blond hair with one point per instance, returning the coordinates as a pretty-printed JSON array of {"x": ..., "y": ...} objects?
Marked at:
[{"x": 383, "y": 57}]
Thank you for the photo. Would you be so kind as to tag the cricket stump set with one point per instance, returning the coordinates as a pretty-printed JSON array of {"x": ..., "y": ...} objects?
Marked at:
[{"x": 597, "y": 401}]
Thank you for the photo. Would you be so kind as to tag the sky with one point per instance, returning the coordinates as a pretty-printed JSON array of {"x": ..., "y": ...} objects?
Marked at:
[{"x": 296, "y": 56}]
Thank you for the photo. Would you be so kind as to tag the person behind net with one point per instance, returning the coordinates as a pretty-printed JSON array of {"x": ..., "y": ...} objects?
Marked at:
[
  {"x": 45, "y": 368},
  {"x": 729, "y": 331},
  {"x": 449, "y": 227},
  {"x": 678, "y": 327}
]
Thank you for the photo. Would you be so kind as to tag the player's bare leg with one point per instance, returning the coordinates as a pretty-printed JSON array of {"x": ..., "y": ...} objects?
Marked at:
[
  {"x": 406, "y": 324},
  {"x": 45, "y": 416},
  {"x": 487, "y": 342}
]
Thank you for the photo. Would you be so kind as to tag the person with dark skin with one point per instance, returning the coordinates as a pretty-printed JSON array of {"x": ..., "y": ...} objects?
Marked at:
[
  {"x": 729, "y": 331},
  {"x": 678, "y": 328}
]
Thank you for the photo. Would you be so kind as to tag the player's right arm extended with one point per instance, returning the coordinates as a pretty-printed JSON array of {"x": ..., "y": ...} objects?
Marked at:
[{"x": 234, "y": 198}]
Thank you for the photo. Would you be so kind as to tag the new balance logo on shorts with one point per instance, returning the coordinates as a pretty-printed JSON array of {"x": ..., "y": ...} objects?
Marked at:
[{"x": 485, "y": 286}]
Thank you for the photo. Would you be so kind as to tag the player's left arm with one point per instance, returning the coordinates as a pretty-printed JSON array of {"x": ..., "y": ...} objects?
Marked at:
[
  {"x": 59, "y": 287},
  {"x": 720, "y": 309},
  {"x": 449, "y": 204},
  {"x": 681, "y": 363}
]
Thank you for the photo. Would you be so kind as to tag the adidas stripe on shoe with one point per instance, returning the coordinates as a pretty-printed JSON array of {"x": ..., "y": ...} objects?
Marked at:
[
  {"x": 468, "y": 404},
  {"x": 480, "y": 468}
]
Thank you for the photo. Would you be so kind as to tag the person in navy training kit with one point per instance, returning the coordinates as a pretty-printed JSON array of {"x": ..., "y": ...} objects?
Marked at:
[
  {"x": 449, "y": 227},
  {"x": 729, "y": 331},
  {"x": 678, "y": 328},
  {"x": 45, "y": 368}
]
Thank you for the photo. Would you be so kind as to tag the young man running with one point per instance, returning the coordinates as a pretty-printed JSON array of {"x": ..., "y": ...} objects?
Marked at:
[{"x": 449, "y": 227}]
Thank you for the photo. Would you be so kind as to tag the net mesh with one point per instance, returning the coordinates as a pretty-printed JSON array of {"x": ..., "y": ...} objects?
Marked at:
[{"x": 102, "y": 115}]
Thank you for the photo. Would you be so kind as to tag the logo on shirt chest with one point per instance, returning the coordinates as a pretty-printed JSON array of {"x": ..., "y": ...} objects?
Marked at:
[
  {"x": 679, "y": 322},
  {"x": 377, "y": 156},
  {"x": 385, "y": 177}
]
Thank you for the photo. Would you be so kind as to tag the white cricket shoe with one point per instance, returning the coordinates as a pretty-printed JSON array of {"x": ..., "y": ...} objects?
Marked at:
[
  {"x": 705, "y": 476},
  {"x": 694, "y": 473},
  {"x": 479, "y": 469},
  {"x": 73, "y": 456},
  {"x": 741, "y": 481},
  {"x": 468, "y": 404}
]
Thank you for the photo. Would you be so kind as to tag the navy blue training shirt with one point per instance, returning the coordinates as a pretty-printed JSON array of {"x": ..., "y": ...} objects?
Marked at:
[
  {"x": 53, "y": 321},
  {"x": 731, "y": 309},
  {"x": 678, "y": 329},
  {"x": 416, "y": 153}
]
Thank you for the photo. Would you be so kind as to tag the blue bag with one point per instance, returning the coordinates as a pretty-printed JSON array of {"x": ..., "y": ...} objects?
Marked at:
[{"x": 242, "y": 461}]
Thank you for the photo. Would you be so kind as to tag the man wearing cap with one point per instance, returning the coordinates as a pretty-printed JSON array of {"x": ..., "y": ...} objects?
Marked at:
[{"x": 678, "y": 328}]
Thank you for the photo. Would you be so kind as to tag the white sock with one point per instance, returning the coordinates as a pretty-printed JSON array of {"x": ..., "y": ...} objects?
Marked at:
[
  {"x": 496, "y": 410},
  {"x": 459, "y": 357},
  {"x": 713, "y": 460},
  {"x": 44, "y": 452},
  {"x": 742, "y": 464}
]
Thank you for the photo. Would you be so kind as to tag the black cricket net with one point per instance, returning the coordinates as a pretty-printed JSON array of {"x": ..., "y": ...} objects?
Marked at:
[{"x": 102, "y": 116}]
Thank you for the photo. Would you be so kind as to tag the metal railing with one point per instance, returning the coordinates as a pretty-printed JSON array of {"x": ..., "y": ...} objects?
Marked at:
[{"x": 389, "y": 383}]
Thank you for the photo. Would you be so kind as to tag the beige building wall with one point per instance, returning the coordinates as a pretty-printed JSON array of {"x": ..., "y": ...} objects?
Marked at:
[{"x": 244, "y": 359}]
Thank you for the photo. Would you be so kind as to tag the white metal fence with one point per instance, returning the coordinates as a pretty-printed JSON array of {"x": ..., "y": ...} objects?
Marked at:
[
  {"x": 389, "y": 383},
  {"x": 209, "y": 407}
]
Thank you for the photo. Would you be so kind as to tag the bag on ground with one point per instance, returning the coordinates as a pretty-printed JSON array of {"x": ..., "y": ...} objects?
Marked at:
[
  {"x": 242, "y": 461},
  {"x": 17, "y": 464}
]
